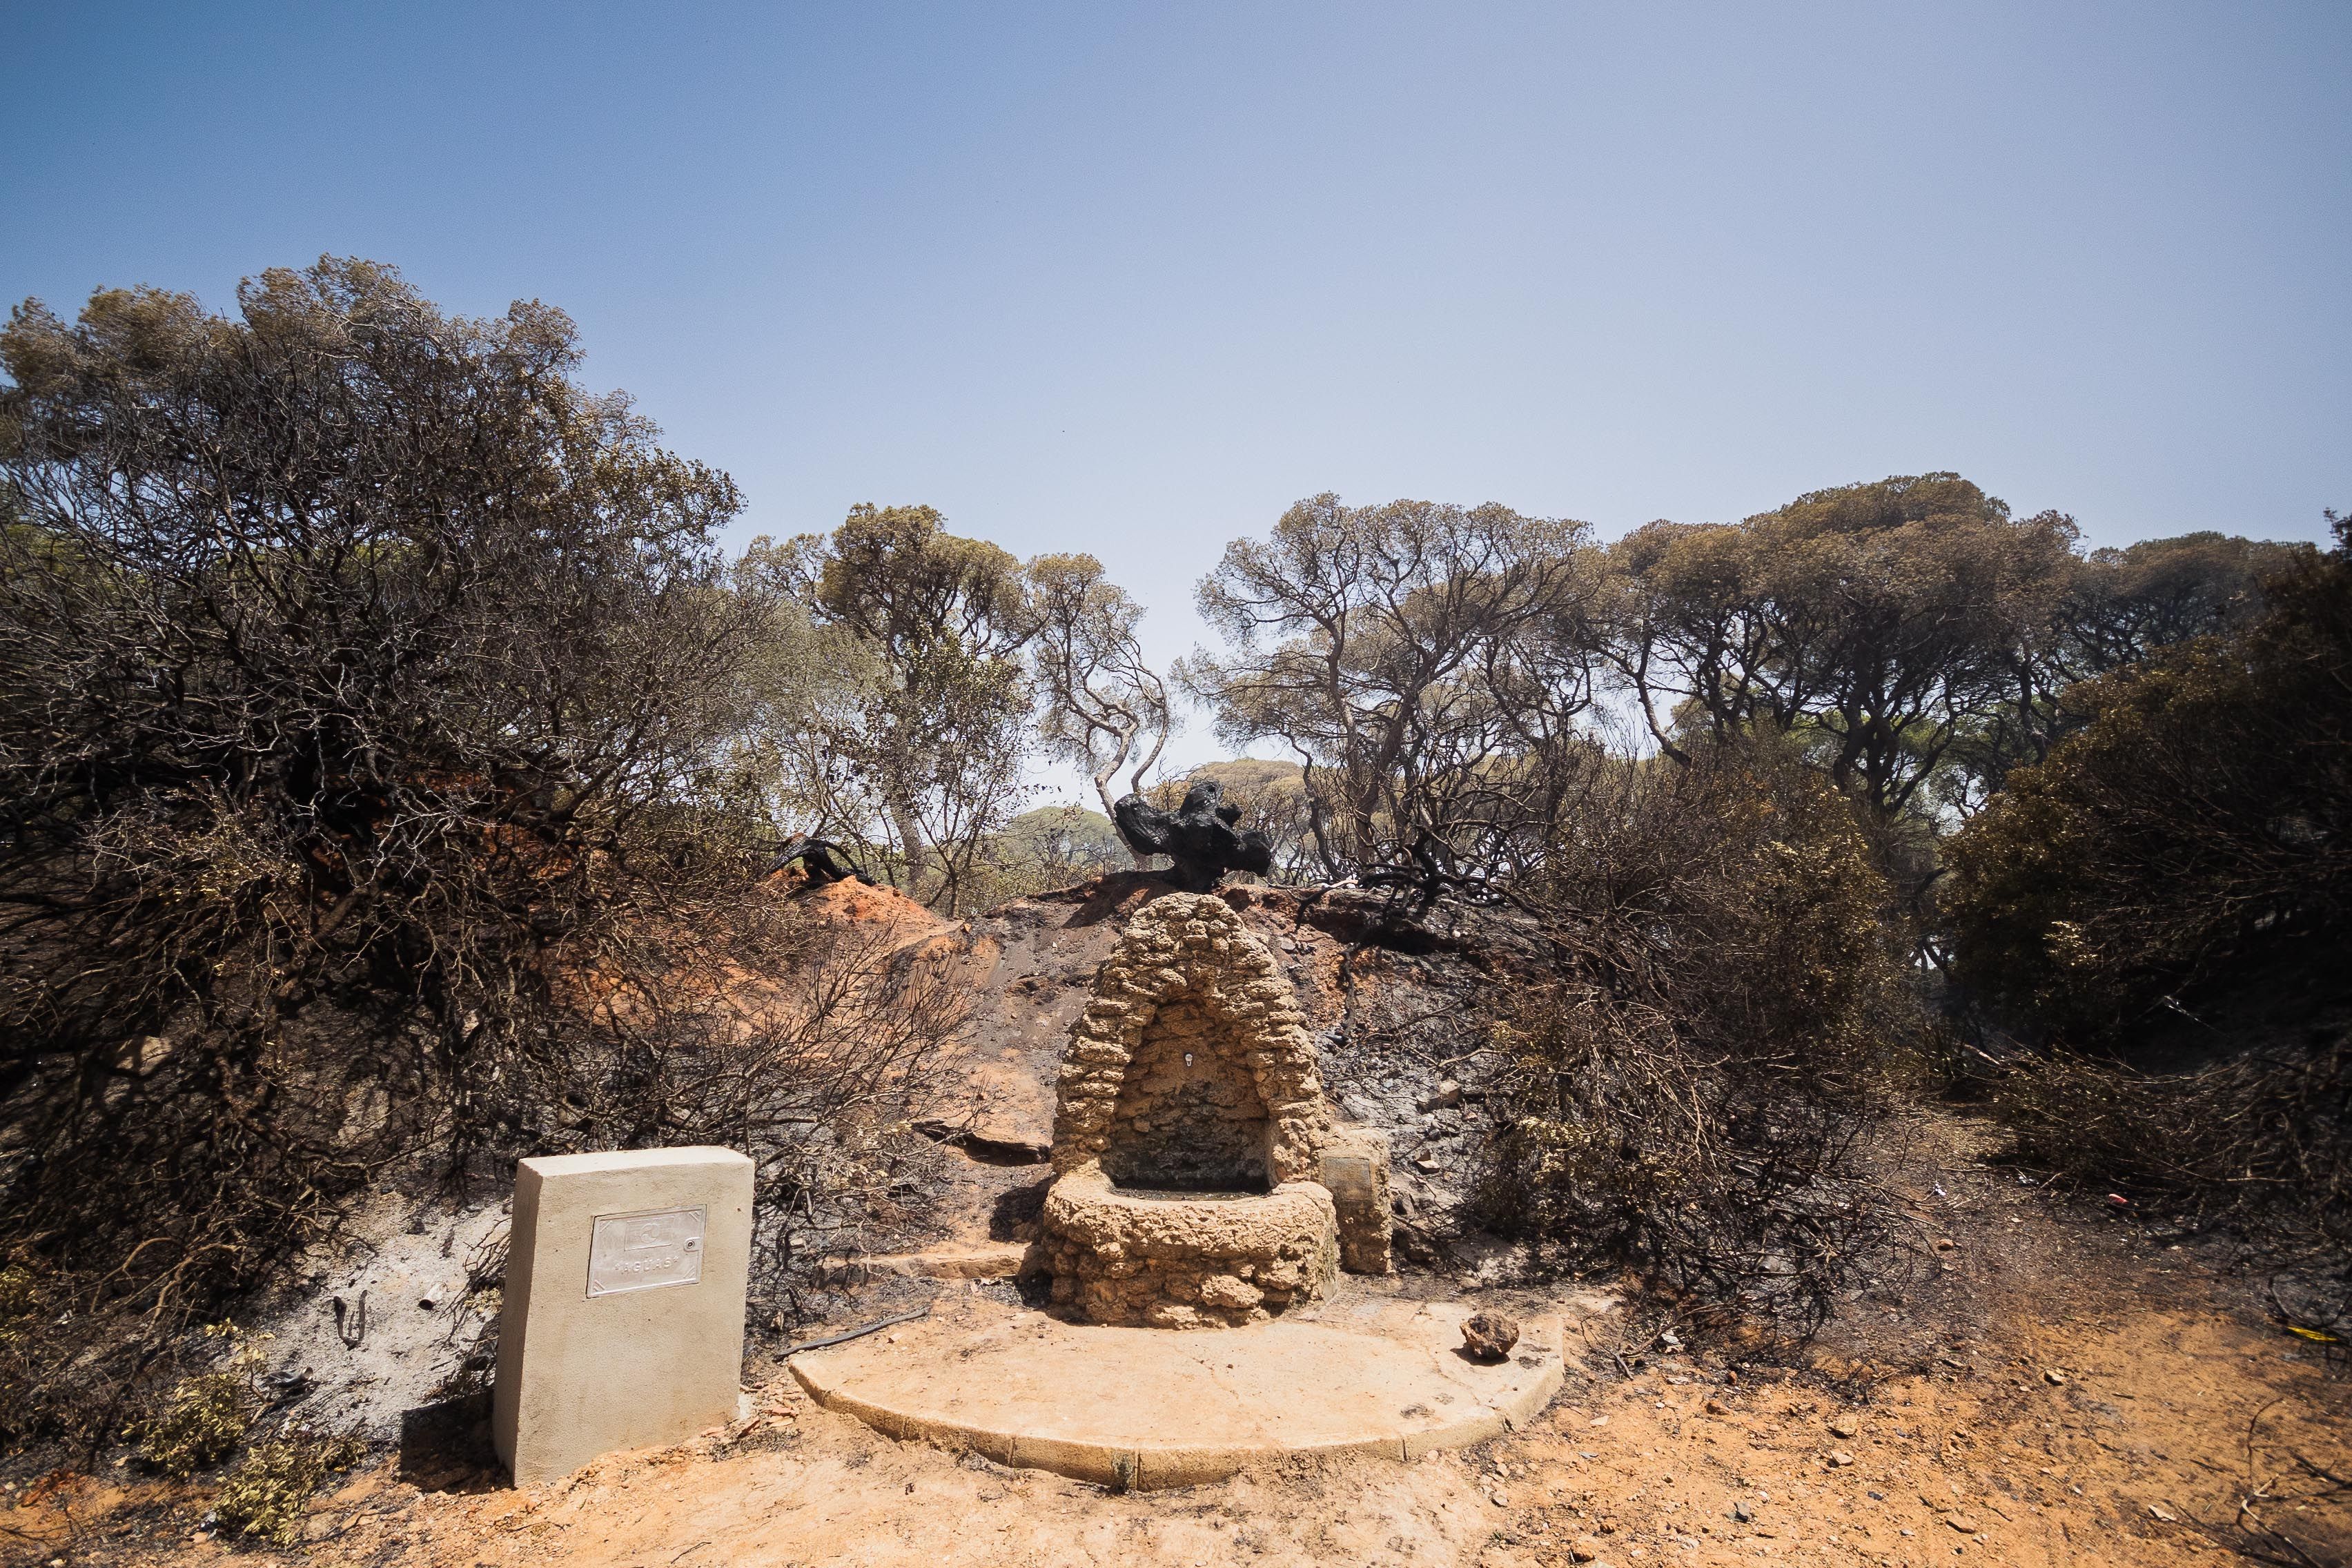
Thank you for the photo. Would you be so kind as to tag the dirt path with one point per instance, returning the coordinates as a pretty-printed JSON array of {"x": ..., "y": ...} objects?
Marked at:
[{"x": 1926, "y": 1427}]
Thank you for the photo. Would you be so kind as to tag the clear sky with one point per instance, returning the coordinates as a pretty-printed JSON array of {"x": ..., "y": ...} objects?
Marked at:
[{"x": 1131, "y": 278}]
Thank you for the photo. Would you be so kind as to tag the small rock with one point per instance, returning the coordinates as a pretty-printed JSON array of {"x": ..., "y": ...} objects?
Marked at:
[
  {"x": 1844, "y": 1425},
  {"x": 1743, "y": 1513},
  {"x": 2055, "y": 1378},
  {"x": 2159, "y": 1510},
  {"x": 1448, "y": 1093},
  {"x": 1840, "y": 1459},
  {"x": 1945, "y": 1244},
  {"x": 1489, "y": 1336},
  {"x": 1718, "y": 1408},
  {"x": 1962, "y": 1522},
  {"x": 1584, "y": 1549}
]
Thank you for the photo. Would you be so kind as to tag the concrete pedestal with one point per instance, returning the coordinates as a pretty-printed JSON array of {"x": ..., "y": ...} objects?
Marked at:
[{"x": 623, "y": 1317}]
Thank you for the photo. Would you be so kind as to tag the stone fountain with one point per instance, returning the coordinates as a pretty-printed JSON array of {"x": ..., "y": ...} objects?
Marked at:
[
  {"x": 1200, "y": 1183},
  {"x": 1198, "y": 1180}
]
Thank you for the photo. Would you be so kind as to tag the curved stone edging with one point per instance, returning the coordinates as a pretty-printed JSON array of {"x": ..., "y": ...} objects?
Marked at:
[{"x": 1176, "y": 1421}]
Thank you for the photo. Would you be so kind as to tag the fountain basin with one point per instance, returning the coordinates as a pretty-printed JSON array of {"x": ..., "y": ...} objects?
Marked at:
[{"x": 1186, "y": 1260}]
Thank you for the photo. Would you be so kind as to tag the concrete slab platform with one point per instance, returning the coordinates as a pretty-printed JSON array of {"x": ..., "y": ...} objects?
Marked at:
[{"x": 1159, "y": 1407}]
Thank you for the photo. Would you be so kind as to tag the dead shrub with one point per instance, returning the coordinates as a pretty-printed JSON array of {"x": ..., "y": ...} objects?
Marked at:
[
  {"x": 367, "y": 688},
  {"x": 1721, "y": 1016},
  {"x": 811, "y": 1047},
  {"x": 2149, "y": 929},
  {"x": 2253, "y": 1142},
  {"x": 2269, "y": 1125}
]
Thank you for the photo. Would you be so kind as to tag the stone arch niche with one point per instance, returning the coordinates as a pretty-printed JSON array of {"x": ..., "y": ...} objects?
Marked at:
[{"x": 1190, "y": 1132}]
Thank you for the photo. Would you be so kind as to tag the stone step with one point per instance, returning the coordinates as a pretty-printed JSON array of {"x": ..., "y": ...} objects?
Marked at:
[{"x": 989, "y": 1260}]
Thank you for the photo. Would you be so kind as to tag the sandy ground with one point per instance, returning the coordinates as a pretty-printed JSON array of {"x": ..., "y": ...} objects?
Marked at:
[{"x": 2181, "y": 1425}]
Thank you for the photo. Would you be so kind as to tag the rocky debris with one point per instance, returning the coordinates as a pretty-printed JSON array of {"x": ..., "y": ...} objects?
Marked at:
[
  {"x": 1844, "y": 1427},
  {"x": 1489, "y": 1336},
  {"x": 1448, "y": 1095}
]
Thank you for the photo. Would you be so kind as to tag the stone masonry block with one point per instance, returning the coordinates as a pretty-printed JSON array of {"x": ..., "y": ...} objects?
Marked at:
[{"x": 1355, "y": 1170}]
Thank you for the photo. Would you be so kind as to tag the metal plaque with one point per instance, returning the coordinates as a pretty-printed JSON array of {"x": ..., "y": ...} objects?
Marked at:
[{"x": 641, "y": 1251}]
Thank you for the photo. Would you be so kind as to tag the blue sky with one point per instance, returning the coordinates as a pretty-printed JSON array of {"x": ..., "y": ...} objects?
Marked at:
[{"x": 1133, "y": 278}]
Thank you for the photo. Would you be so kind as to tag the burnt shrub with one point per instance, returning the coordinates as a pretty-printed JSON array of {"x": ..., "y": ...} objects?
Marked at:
[
  {"x": 2153, "y": 920},
  {"x": 1722, "y": 1010},
  {"x": 365, "y": 692}
]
